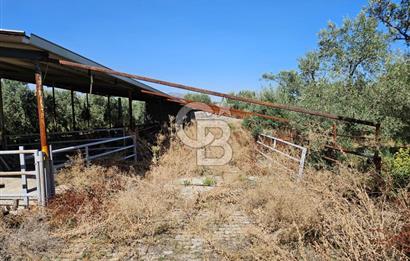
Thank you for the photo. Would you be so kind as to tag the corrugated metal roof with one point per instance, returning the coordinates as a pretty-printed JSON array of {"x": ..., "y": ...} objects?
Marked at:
[{"x": 17, "y": 64}]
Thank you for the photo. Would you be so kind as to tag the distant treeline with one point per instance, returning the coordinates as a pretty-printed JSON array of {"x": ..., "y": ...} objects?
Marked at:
[{"x": 20, "y": 110}]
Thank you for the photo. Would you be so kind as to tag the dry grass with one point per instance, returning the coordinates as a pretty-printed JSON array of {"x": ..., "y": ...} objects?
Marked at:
[{"x": 322, "y": 217}]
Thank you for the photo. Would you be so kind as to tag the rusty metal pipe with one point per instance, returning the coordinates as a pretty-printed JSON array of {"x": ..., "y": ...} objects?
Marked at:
[
  {"x": 40, "y": 111},
  {"x": 219, "y": 94},
  {"x": 215, "y": 108}
]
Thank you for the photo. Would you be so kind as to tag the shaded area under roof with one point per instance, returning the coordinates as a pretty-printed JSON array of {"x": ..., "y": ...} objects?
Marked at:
[{"x": 19, "y": 54}]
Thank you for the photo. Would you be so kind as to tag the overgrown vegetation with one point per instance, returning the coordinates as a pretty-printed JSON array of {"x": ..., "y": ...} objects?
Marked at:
[
  {"x": 253, "y": 213},
  {"x": 360, "y": 69},
  {"x": 247, "y": 209}
]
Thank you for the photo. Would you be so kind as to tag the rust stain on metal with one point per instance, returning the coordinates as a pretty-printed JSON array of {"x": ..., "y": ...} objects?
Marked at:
[
  {"x": 219, "y": 94},
  {"x": 40, "y": 111},
  {"x": 211, "y": 108}
]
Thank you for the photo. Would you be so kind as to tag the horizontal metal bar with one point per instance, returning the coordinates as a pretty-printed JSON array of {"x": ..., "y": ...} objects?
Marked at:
[
  {"x": 269, "y": 158},
  {"x": 214, "y": 93},
  {"x": 129, "y": 156},
  {"x": 348, "y": 151},
  {"x": 17, "y": 196},
  {"x": 59, "y": 133},
  {"x": 10, "y": 152},
  {"x": 263, "y": 154},
  {"x": 105, "y": 148},
  {"x": 90, "y": 144},
  {"x": 57, "y": 142},
  {"x": 59, "y": 165},
  {"x": 278, "y": 151},
  {"x": 109, "y": 152},
  {"x": 17, "y": 173},
  {"x": 283, "y": 141}
]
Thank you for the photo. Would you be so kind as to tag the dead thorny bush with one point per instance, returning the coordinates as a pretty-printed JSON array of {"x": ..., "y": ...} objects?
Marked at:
[
  {"x": 27, "y": 236},
  {"x": 85, "y": 192}
]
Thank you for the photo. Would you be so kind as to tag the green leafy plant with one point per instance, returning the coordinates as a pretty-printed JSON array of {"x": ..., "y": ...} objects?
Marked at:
[
  {"x": 209, "y": 181},
  {"x": 400, "y": 168}
]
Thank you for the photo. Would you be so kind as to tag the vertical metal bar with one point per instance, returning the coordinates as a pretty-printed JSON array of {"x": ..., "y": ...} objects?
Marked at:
[
  {"x": 23, "y": 176},
  {"x": 109, "y": 111},
  {"x": 87, "y": 154},
  {"x": 38, "y": 178},
  {"x": 51, "y": 158},
  {"x": 41, "y": 111},
  {"x": 42, "y": 179},
  {"x": 73, "y": 111},
  {"x": 88, "y": 111},
  {"x": 120, "y": 122},
  {"x": 50, "y": 169},
  {"x": 131, "y": 121},
  {"x": 54, "y": 107},
  {"x": 302, "y": 163},
  {"x": 2, "y": 134},
  {"x": 134, "y": 140}
]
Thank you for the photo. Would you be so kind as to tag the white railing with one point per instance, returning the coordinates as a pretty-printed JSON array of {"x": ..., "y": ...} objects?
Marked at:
[
  {"x": 88, "y": 148},
  {"x": 32, "y": 139},
  {"x": 42, "y": 190},
  {"x": 43, "y": 170},
  {"x": 300, "y": 159}
]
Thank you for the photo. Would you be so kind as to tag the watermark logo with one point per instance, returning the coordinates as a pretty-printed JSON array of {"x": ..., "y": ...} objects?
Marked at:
[{"x": 205, "y": 140}]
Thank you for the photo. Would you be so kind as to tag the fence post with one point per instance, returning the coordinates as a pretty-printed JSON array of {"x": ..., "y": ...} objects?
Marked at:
[
  {"x": 23, "y": 176},
  {"x": 50, "y": 169},
  {"x": 38, "y": 178},
  {"x": 40, "y": 159},
  {"x": 134, "y": 140},
  {"x": 302, "y": 163},
  {"x": 87, "y": 154}
]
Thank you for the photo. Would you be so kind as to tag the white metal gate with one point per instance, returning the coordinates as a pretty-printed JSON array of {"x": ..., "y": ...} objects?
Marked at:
[
  {"x": 33, "y": 181},
  {"x": 271, "y": 144}
]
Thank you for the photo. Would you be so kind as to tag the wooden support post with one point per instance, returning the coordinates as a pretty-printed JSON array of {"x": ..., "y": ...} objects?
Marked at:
[
  {"x": 2, "y": 130},
  {"x": 334, "y": 134},
  {"x": 73, "y": 111},
  {"x": 131, "y": 119},
  {"x": 120, "y": 122},
  {"x": 109, "y": 112},
  {"x": 41, "y": 112}
]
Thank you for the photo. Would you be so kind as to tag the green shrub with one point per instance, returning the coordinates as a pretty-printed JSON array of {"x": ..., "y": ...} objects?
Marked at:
[{"x": 400, "y": 168}]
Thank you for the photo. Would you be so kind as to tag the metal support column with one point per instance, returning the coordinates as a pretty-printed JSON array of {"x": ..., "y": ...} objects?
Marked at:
[
  {"x": 2, "y": 134},
  {"x": 120, "y": 121},
  {"x": 88, "y": 111},
  {"x": 131, "y": 119},
  {"x": 54, "y": 108},
  {"x": 41, "y": 111},
  {"x": 73, "y": 111},
  {"x": 109, "y": 112}
]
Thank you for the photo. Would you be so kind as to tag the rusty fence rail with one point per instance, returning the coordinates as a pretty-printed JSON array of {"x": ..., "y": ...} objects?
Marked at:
[
  {"x": 273, "y": 146},
  {"x": 40, "y": 191}
]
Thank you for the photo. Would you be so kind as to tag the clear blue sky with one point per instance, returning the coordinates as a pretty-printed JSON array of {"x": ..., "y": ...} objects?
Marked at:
[{"x": 223, "y": 45}]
